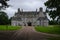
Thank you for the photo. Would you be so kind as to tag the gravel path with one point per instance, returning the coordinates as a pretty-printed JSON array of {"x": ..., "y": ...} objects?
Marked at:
[
  {"x": 29, "y": 33},
  {"x": 26, "y": 33},
  {"x": 5, "y": 35}
]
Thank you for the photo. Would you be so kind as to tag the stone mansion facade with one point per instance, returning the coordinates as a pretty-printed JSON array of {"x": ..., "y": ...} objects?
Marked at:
[{"x": 29, "y": 18}]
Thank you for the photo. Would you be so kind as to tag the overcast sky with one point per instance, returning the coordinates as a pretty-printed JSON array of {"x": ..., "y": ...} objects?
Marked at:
[{"x": 26, "y": 5}]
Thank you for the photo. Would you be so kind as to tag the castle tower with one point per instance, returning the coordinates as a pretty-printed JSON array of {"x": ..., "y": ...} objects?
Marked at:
[{"x": 41, "y": 14}]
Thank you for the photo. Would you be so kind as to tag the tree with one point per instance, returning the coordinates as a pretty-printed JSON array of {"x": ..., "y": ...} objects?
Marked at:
[
  {"x": 4, "y": 4},
  {"x": 53, "y": 8},
  {"x": 3, "y": 18},
  {"x": 53, "y": 22},
  {"x": 10, "y": 20}
]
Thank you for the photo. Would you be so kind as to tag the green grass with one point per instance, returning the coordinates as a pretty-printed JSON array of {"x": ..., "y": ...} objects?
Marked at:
[
  {"x": 6, "y": 27},
  {"x": 50, "y": 29}
]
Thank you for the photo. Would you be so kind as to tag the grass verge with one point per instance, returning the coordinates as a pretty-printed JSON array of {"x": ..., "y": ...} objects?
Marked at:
[
  {"x": 54, "y": 29},
  {"x": 6, "y": 27}
]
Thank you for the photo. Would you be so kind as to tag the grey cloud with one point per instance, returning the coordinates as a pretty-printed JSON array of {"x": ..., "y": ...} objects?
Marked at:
[{"x": 26, "y": 5}]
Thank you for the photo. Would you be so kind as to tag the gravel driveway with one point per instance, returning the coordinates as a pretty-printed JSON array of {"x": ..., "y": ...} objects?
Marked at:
[{"x": 26, "y": 33}]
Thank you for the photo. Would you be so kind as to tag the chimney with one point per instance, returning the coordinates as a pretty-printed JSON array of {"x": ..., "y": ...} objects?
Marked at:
[
  {"x": 18, "y": 9},
  {"x": 41, "y": 9},
  {"x": 22, "y": 10},
  {"x": 36, "y": 10}
]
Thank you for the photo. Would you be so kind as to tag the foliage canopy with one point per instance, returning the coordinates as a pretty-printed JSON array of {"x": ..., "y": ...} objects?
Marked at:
[
  {"x": 4, "y": 4},
  {"x": 53, "y": 7}
]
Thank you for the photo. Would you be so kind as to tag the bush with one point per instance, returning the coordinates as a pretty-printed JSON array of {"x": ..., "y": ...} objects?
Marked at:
[{"x": 53, "y": 22}]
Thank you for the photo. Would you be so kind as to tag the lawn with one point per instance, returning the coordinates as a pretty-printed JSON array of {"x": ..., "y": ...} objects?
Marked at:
[
  {"x": 54, "y": 29},
  {"x": 6, "y": 27}
]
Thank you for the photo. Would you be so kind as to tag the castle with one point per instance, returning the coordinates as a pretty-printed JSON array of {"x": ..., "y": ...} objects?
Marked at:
[{"x": 30, "y": 18}]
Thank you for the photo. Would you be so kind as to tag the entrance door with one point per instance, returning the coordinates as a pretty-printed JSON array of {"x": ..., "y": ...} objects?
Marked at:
[{"x": 29, "y": 23}]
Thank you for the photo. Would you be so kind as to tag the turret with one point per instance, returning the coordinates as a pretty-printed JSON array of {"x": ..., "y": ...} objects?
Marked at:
[{"x": 41, "y": 9}]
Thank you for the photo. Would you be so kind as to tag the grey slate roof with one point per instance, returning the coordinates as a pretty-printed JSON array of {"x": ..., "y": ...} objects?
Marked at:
[
  {"x": 16, "y": 18},
  {"x": 43, "y": 18},
  {"x": 28, "y": 13}
]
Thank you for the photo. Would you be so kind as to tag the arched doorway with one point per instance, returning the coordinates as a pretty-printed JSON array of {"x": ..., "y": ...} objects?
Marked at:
[{"x": 29, "y": 24}]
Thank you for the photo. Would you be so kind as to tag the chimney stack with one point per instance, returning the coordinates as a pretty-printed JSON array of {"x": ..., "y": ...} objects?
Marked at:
[
  {"x": 36, "y": 10},
  {"x": 41, "y": 9},
  {"x": 22, "y": 10},
  {"x": 18, "y": 9}
]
